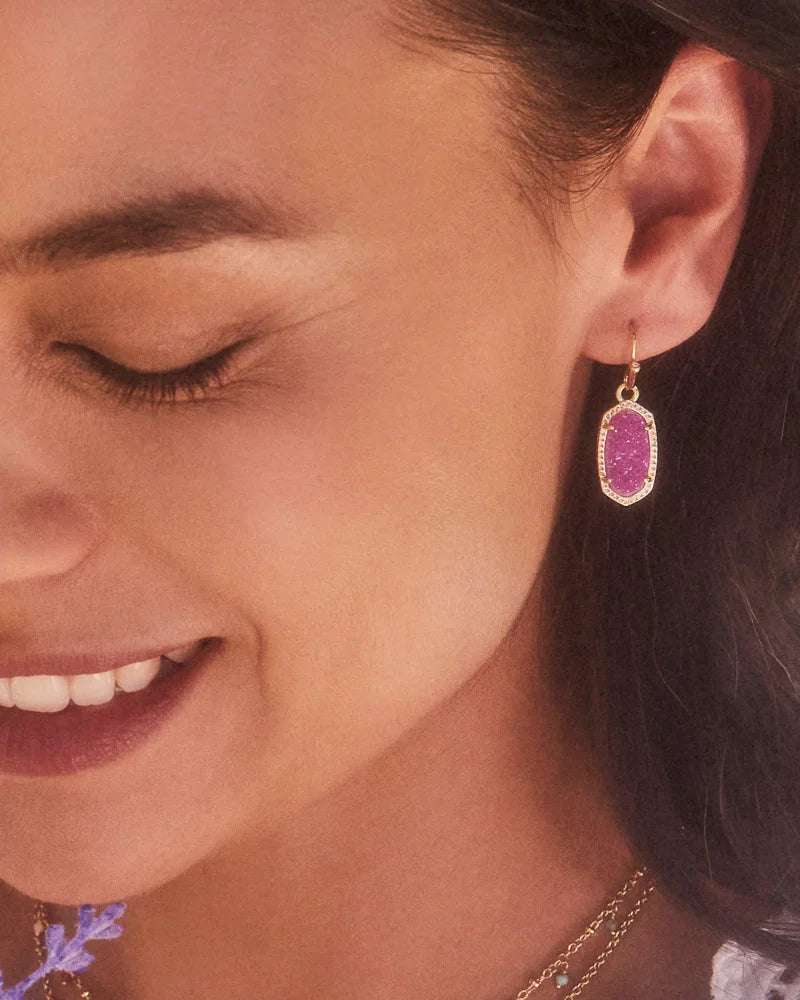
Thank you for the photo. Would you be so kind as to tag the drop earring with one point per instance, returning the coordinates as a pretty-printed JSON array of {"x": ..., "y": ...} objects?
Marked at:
[{"x": 627, "y": 446}]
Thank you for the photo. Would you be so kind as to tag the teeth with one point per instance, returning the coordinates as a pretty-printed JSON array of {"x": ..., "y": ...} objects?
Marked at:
[
  {"x": 92, "y": 689},
  {"x": 5, "y": 693},
  {"x": 43, "y": 693},
  {"x": 51, "y": 693},
  {"x": 135, "y": 676},
  {"x": 182, "y": 653}
]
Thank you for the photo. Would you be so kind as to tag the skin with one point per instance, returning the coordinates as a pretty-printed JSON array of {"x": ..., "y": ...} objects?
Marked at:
[{"x": 369, "y": 790}]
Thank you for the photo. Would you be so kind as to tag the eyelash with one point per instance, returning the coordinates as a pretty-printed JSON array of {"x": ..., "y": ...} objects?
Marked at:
[{"x": 129, "y": 386}]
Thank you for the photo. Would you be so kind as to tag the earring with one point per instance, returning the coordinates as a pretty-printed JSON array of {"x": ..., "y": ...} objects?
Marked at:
[{"x": 627, "y": 446}]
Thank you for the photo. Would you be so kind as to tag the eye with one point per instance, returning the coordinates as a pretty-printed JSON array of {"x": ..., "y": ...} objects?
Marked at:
[{"x": 131, "y": 386}]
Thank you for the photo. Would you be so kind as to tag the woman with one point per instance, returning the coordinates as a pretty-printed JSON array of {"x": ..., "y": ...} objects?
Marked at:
[{"x": 344, "y": 638}]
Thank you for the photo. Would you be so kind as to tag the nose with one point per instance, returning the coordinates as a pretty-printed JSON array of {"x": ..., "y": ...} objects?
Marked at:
[{"x": 44, "y": 531}]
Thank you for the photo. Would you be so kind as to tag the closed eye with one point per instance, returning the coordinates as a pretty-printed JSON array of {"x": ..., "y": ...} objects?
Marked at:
[{"x": 190, "y": 383}]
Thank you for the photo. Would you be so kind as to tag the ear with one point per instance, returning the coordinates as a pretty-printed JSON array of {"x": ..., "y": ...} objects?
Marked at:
[{"x": 678, "y": 197}]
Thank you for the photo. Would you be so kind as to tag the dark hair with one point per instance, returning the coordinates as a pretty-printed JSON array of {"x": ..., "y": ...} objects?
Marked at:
[{"x": 674, "y": 624}]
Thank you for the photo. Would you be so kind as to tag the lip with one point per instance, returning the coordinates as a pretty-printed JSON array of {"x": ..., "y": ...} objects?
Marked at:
[
  {"x": 62, "y": 664},
  {"x": 38, "y": 744}
]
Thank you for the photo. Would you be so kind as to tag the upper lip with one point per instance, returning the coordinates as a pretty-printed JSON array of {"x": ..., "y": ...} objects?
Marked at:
[{"x": 30, "y": 663}]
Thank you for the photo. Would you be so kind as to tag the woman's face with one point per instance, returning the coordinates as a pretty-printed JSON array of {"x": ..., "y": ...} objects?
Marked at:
[{"x": 359, "y": 511}]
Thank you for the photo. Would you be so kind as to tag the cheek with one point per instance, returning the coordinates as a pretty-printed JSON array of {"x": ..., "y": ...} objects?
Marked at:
[
  {"x": 377, "y": 517},
  {"x": 380, "y": 527}
]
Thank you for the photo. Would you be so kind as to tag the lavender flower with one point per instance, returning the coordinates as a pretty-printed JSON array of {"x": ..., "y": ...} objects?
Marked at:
[{"x": 69, "y": 955}]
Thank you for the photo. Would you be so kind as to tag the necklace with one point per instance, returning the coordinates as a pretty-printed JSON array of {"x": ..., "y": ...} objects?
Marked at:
[
  {"x": 40, "y": 925},
  {"x": 610, "y": 918}
]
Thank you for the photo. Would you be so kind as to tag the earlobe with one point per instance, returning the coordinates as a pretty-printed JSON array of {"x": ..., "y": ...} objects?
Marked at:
[{"x": 684, "y": 183}]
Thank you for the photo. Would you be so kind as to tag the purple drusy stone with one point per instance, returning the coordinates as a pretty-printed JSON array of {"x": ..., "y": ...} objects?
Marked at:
[{"x": 627, "y": 452}]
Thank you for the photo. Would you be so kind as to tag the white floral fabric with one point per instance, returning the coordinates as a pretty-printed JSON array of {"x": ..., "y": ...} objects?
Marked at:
[{"x": 741, "y": 974}]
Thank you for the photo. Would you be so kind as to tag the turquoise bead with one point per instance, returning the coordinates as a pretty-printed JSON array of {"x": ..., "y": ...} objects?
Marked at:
[{"x": 561, "y": 979}]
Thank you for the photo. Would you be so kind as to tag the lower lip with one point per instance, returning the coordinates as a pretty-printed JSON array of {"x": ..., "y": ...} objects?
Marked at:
[{"x": 79, "y": 737}]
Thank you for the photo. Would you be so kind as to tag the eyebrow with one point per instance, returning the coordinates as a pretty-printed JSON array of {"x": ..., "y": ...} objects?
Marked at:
[{"x": 146, "y": 226}]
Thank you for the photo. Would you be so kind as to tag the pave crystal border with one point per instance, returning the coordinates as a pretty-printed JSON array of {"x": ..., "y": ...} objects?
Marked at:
[{"x": 650, "y": 421}]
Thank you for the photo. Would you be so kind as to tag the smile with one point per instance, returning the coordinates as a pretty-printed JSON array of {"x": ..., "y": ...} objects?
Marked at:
[
  {"x": 53, "y": 692},
  {"x": 60, "y": 724}
]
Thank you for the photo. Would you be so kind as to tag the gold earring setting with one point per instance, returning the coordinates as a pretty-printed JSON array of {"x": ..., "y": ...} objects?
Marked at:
[{"x": 627, "y": 444}]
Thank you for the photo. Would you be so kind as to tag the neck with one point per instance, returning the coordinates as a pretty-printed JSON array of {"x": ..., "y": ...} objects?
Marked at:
[{"x": 457, "y": 865}]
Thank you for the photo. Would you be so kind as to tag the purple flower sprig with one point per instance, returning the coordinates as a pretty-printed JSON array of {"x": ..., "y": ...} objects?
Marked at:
[{"x": 69, "y": 955}]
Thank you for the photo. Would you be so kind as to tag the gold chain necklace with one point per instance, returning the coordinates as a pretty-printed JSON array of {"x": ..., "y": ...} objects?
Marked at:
[
  {"x": 608, "y": 918},
  {"x": 40, "y": 925},
  {"x": 558, "y": 970}
]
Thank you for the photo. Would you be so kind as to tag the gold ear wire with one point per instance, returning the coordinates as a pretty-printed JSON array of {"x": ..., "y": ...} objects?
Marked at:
[{"x": 634, "y": 366}]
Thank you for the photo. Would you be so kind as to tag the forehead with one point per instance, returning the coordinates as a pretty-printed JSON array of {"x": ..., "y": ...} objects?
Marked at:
[{"x": 103, "y": 98}]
